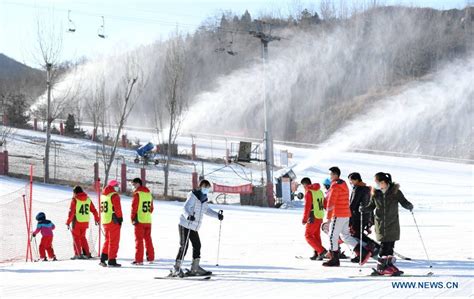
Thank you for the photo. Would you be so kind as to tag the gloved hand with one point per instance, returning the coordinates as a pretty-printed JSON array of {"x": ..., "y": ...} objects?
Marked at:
[
  {"x": 191, "y": 218},
  {"x": 97, "y": 223},
  {"x": 33, "y": 235},
  {"x": 134, "y": 222},
  {"x": 311, "y": 218},
  {"x": 410, "y": 207},
  {"x": 220, "y": 216},
  {"x": 361, "y": 209},
  {"x": 120, "y": 220},
  {"x": 303, "y": 222},
  {"x": 68, "y": 227}
]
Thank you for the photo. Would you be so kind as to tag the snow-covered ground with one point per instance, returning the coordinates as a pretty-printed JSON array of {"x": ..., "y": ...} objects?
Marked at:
[{"x": 259, "y": 245}]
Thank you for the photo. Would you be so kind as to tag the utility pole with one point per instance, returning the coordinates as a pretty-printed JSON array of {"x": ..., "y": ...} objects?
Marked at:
[{"x": 265, "y": 39}]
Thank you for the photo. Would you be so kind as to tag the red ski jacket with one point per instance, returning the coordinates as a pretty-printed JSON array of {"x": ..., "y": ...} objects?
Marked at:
[
  {"x": 135, "y": 202},
  {"x": 117, "y": 207},
  {"x": 338, "y": 200},
  {"x": 308, "y": 201},
  {"x": 72, "y": 211}
]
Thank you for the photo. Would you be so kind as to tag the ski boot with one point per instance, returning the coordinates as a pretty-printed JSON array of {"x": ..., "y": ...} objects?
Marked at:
[
  {"x": 113, "y": 264},
  {"x": 391, "y": 263},
  {"x": 137, "y": 263},
  {"x": 196, "y": 270},
  {"x": 315, "y": 256},
  {"x": 327, "y": 256},
  {"x": 386, "y": 268},
  {"x": 103, "y": 260},
  {"x": 45, "y": 259},
  {"x": 77, "y": 257},
  {"x": 55, "y": 259},
  {"x": 322, "y": 255},
  {"x": 366, "y": 254},
  {"x": 334, "y": 261},
  {"x": 355, "y": 259},
  {"x": 176, "y": 271}
]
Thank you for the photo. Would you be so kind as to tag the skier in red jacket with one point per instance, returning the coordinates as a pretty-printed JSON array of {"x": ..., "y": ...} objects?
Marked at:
[
  {"x": 339, "y": 213},
  {"x": 142, "y": 209},
  {"x": 79, "y": 215},
  {"x": 111, "y": 218},
  {"x": 313, "y": 217}
]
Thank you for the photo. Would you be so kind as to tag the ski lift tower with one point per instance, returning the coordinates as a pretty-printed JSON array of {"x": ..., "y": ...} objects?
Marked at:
[{"x": 265, "y": 39}]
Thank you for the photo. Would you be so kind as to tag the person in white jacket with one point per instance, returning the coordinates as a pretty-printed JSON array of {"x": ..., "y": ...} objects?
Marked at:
[{"x": 189, "y": 223}]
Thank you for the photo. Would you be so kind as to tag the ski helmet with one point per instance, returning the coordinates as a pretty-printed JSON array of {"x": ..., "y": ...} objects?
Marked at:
[
  {"x": 40, "y": 216},
  {"x": 327, "y": 183}
]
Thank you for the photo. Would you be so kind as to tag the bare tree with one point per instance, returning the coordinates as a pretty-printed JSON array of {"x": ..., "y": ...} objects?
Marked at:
[
  {"x": 169, "y": 114},
  {"x": 327, "y": 9},
  {"x": 5, "y": 130},
  {"x": 48, "y": 53},
  {"x": 124, "y": 99},
  {"x": 96, "y": 102}
]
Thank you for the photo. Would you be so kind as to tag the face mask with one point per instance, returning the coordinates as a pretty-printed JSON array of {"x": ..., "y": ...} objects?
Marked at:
[
  {"x": 116, "y": 188},
  {"x": 205, "y": 191},
  {"x": 377, "y": 187}
]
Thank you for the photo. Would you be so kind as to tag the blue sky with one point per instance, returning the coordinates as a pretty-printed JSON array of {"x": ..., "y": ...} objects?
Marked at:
[{"x": 130, "y": 23}]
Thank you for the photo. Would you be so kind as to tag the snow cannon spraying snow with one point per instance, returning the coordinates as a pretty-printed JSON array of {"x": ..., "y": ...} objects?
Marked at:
[{"x": 146, "y": 153}]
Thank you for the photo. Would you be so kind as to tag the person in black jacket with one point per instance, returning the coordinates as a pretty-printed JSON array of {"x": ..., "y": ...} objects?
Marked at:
[{"x": 360, "y": 196}]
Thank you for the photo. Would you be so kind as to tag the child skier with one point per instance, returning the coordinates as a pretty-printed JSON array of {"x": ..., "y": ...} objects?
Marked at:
[
  {"x": 189, "y": 223},
  {"x": 385, "y": 199},
  {"x": 46, "y": 245}
]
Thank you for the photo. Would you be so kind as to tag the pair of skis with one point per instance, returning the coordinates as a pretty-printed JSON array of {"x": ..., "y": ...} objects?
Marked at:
[
  {"x": 186, "y": 276},
  {"x": 402, "y": 257},
  {"x": 375, "y": 273}
]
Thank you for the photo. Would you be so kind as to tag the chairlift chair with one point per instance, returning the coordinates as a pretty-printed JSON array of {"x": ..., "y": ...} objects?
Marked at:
[
  {"x": 71, "y": 25},
  {"x": 101, "y": 30}
]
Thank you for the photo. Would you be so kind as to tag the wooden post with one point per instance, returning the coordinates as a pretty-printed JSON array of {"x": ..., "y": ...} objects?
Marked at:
[
  {"x": 123, "y": 178},
  {"x": 96, "y": 171},
  {"x": 195, "y": 180},
  {"x": 193, "y": 151},
  {"x": 124, "y": 141},
  {"x": 4, "y": 163},
  {"x": 143, "y": 175}
]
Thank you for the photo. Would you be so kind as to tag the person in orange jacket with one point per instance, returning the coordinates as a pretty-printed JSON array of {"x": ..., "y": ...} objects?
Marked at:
[
  {"x": 313, "y": 217},
  {"x": 142, "y": 209},
  {"x": 79, "y": 215},
  {"x": 111, "y": 218},
  {"x": 339, "y": 213}
]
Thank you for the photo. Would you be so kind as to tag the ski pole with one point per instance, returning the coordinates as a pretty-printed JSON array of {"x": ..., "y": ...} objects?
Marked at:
[
  {"x": 35, "y": 247},
  {"x": 221, "y": 212},
  {"x": 423, "y": 243},
  {"x": 360, "y": 241},
  {"x": 76, "y": 246},
  {"x": 185, "y": 247}
]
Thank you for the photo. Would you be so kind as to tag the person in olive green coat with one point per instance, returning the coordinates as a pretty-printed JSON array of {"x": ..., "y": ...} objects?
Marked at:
[{"x": 385, "y": 199}]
